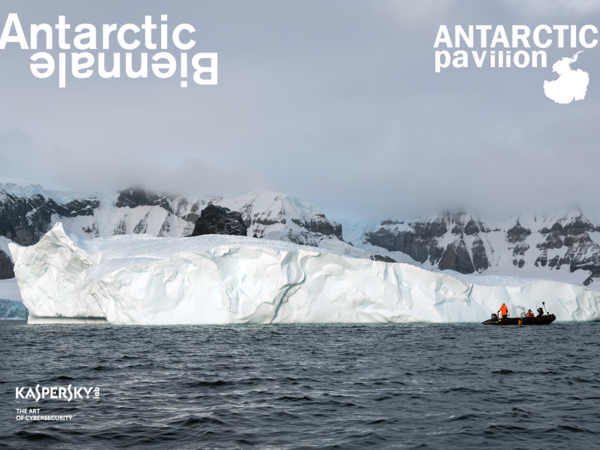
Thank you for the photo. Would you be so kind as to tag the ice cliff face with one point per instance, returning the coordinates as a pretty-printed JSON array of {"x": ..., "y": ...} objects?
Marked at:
[
  {"x": 551, "y": 244},
  {"x": 230, "y": 279}
]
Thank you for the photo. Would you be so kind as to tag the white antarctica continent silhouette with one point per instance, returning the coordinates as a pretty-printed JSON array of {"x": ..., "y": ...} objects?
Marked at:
[{"x": 571, "y": 84}]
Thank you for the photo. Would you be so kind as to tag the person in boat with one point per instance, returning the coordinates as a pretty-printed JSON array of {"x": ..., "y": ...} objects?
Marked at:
[
  {"x": 540, "y": 312},
  {"x": 530, "y": 313},
  {"x": 503, "y": 311}
]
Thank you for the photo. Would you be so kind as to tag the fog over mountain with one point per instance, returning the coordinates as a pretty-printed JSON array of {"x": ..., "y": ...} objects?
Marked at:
[{"x": 333, "y": 102}]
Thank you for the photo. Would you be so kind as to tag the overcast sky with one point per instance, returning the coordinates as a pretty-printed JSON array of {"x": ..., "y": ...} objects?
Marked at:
[{"x": 334, "y": 102}]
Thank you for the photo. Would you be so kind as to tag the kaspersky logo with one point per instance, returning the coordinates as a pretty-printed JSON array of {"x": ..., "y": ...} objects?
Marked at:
[
  {"x": 519, "y": 46},
  {"x": 56, "y": 393}
]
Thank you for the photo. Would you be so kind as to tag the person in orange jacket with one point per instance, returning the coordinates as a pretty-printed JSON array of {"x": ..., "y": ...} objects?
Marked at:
[
  {"x": 530, "y": 313},
  {"x": 503, "y": 311}
]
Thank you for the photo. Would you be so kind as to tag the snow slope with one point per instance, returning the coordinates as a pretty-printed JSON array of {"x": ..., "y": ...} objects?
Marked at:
[
  {"x": 229, "y": 279},
  {"x": 269, "y": 215}
]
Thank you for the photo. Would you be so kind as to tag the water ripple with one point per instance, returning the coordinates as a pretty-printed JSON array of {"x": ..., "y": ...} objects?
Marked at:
[{"x": 315, "y": 387}]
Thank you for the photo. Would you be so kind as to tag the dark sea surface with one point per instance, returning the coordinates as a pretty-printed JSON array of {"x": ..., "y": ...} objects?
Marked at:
[{"x": 311, "y": 386}]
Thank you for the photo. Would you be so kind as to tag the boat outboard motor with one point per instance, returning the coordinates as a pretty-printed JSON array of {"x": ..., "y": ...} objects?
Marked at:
[{"x": 494, "y": 317}]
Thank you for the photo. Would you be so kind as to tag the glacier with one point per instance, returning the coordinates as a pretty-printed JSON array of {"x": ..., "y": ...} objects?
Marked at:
[{"x": 144, "y": 280}]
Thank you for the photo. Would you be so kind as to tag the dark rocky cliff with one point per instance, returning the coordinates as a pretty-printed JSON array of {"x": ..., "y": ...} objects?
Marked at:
[
  {"x": 134, "y": 197},
  {"x": 420, "y": 240},
  {"x": 26, "y": 220},
  {"x": 219, "y": 220},
  {"x": 6, "y": 266},
  {"x": 581, "y": 252},
  {"x": 460, "y": 242}
]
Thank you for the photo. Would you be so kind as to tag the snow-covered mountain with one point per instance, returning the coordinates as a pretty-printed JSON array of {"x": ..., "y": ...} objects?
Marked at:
[
  {"x": 27, "y": 211},
  {"x": 560, "y": 245}
]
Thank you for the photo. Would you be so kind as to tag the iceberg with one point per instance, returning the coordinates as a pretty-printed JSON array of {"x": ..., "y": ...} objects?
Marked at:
[
  {"x": 11, "y": 310},
  {"x": 215, "y": 279}
]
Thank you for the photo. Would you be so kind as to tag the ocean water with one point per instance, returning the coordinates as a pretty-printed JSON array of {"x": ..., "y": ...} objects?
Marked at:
[{"x": 318, "y": 386}]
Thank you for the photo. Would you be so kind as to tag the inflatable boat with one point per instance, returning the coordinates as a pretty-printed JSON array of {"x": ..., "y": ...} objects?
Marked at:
[{"x": 545, "y": 319}]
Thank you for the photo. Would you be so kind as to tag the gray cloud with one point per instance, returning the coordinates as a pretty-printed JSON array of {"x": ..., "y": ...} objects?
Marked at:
[
  {"x": 334, "y": 102},
  {"x": 540, "y": 8}
]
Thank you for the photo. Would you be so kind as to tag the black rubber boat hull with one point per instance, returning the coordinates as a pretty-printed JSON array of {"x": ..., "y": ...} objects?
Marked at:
[{"x": 543, "y": 320}]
